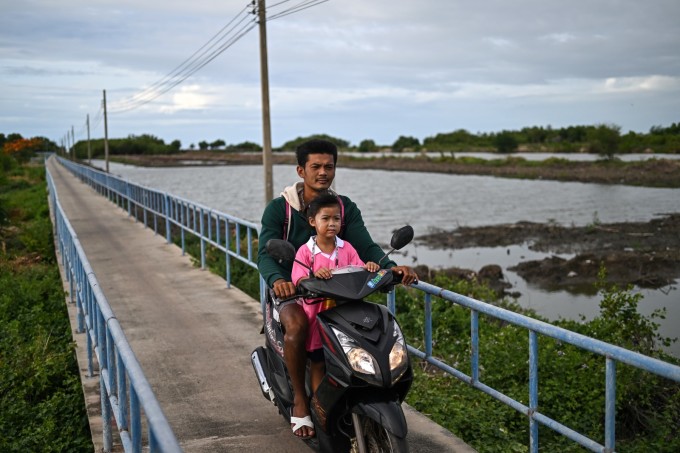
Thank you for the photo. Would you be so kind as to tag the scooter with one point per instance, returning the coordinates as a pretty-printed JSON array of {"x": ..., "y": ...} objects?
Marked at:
[{"x": 357, "y": 406}]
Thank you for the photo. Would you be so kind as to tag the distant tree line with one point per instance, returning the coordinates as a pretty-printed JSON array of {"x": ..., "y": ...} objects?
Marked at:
[{"x": 603, "y": 139}]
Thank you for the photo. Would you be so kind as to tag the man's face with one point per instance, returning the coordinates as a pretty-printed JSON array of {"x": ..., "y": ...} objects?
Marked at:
[{"x": 318, "y": 172}]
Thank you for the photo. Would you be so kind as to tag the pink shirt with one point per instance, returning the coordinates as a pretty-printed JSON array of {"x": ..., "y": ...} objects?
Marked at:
[{"x": 345, "y": 255}]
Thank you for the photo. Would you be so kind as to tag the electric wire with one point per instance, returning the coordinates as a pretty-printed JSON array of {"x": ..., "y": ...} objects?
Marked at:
[
  {"x": 215, "y": 46},
  {"x": 198, "y": 60},
  {"x": 300, "y": 7}
]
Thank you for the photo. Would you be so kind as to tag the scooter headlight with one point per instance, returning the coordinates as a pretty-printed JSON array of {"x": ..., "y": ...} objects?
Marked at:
[
  {"x": 398, "y": 355},
  {"x": 359, "y": 359}
]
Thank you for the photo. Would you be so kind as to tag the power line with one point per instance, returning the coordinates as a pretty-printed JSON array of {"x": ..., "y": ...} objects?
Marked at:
[
  {"x": 299, "y": 7},
  {"x": 215, "y": 46},
  {"x": 204, "y": 55}
]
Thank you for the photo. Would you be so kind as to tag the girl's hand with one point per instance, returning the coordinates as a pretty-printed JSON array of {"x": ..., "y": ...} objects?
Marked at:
[
  {"x": 372, "y": 267},
  {"x": 323, "y": 273}
]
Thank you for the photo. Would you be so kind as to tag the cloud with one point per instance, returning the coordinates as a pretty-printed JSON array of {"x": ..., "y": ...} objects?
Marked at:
[{"x": 189, "y": 97}]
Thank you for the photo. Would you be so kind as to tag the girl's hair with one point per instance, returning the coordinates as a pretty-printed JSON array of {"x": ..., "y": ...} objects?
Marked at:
[{"x": 323, "y": 200}]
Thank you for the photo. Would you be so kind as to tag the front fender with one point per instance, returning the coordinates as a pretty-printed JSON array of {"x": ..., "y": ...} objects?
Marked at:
[{"x": 387, "y": 413}]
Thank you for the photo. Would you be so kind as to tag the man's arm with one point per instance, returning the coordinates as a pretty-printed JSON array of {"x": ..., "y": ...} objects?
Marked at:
[{"x": 272, "y": 228}]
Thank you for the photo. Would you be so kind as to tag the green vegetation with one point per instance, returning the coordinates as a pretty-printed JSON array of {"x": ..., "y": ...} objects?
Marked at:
[
  {"x": 604, "y": 139},
  {"x": 41, "y": 400},
  {"x": 292, "y": 144},
  {"x": 133, "y": 144}
]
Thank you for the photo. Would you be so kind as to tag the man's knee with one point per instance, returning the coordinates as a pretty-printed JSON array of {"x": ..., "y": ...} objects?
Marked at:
[{"x": 294, "y": 323}]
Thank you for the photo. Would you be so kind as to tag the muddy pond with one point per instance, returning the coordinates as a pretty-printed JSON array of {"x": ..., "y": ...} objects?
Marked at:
[{"x": 442, "y": 203}]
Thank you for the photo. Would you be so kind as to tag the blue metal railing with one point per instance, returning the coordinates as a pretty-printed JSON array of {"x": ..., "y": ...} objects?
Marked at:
[
  {"x": 125, "y": 392},
  {"x": 612, "y": 354},
  {"x": 184, "y": 214},
  {"x": 157, "y": 210}
]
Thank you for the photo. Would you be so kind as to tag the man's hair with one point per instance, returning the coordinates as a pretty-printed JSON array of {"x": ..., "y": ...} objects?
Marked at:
[
  {"x": 325, "y": 199},
  {"x": 315, "y": 146}
]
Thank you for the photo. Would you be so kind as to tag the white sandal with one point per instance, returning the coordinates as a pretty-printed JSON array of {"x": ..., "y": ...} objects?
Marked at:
[{"x": 299, "y": 422}]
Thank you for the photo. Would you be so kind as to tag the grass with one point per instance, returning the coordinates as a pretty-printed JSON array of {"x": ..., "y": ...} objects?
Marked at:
[{"x": 42, "y": 403}]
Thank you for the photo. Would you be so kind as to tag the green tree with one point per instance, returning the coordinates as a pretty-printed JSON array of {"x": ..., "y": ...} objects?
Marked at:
[
  {"x": 455, "y": 140},
  {"x": 505, "y": 142},
  {"x": 203, "y": 145},
  {"x": 404, "y": 142},
  {"x": 604, "y": 140},
  {"x": 367, "y": 146},
  {"x": 217, "y": 144},
  {"x": 176, "y": 145},
  {"x": 292, "y": 144},
  {"x": 244, "y": 146}
]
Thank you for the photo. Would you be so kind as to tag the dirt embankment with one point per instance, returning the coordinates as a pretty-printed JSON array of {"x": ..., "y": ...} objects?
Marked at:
[{"x": 644, "y": 254}]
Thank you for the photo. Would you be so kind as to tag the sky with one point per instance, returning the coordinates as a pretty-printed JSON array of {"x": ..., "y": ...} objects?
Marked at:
[{"x": 353, "y": 69}]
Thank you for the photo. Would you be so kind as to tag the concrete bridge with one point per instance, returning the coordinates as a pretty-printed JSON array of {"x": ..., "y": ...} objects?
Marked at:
[{"x": 190, "y": 333}]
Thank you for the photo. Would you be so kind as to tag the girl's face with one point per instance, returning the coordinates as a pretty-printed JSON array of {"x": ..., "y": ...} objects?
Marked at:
[{"x": 327, "y": 221}]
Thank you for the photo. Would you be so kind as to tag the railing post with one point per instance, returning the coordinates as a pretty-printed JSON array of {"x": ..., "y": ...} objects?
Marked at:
[
  {"x": 122, "y": 394},
  {"x": 474, "y": 344},
  {"x": 111, "y": 362},
  {"x": 610, "y": 409},
  {"x": 106, "y": 415},
  {"x": 227, "y": 246},
  {"x": 202, "y": 227},
  {"x": 392, "y": 302},
  {"x": 135, "y": 421},
  {"x": 129, "y": 197},
  {"x": 428, "y": 325},
  {"x": 168, "y": 225},
  {"x": 182, "y": 215},
  {"x": 145, "y": 207},
  {"x": 533, "y": 391}
]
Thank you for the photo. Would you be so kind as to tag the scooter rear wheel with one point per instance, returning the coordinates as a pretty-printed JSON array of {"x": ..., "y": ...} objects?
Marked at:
[{"x": 378, "y": 439}]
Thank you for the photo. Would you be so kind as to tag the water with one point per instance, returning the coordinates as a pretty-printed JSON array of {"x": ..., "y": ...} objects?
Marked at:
[{"x": 429, "y": 201}]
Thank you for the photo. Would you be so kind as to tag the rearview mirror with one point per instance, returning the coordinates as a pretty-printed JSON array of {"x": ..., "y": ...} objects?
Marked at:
[
  {"x": 402, "y": 237},
  {"x": 280, "y": 250}
]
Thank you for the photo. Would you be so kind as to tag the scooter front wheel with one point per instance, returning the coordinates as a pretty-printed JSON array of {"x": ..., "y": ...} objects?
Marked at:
[{"x": 372, "y": 437}]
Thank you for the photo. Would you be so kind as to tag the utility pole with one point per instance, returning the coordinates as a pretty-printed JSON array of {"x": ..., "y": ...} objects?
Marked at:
[
  {"x": 89, "y": 148},
  {"x": 73, "y": 141},
  {"x": 106, "y": 135},
  {"x": 266, "y": 124}
]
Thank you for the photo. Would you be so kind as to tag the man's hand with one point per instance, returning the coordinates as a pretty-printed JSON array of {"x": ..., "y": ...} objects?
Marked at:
[
  {"x": 283, "y": 289},
  {"x": 408, "y": 275}
]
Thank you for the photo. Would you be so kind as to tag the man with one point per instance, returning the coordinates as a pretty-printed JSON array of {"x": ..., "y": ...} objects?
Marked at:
[{"x": 285, "y": 218}]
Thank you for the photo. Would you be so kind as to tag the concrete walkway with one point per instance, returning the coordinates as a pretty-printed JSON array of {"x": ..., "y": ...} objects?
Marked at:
[{"x": 192, "y": 336}]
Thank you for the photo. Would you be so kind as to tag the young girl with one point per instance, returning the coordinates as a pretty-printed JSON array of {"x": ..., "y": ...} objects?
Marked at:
[{"x": 322, "y": 253}]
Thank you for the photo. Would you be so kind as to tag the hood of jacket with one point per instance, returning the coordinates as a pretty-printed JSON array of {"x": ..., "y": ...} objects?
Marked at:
[{"x": 291, "y": 194}]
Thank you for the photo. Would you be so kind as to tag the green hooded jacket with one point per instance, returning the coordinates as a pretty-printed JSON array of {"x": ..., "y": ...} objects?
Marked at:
[{"x": 300, "y": 231}]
